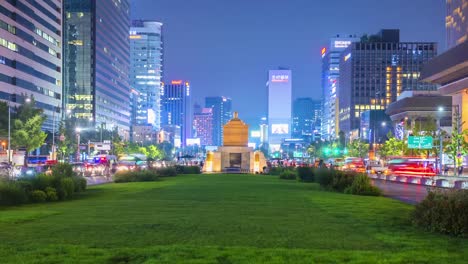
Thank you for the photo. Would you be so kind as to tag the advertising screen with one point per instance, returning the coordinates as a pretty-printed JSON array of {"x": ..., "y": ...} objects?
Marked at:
[{"x": 279, "y": 129}]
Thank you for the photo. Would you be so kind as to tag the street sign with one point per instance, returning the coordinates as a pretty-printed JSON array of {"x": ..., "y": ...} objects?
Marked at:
[
  {"x": 298, "y": 154},
  {"x": 420, "y": 142}
]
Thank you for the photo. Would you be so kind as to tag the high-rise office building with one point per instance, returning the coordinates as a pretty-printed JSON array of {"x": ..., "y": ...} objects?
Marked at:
[
  {"x": 374, "y": 72},
  {"x": 146, "y": 65},
  {"x": 279, "y": 89},
  {"x": 176, "y": 108},
  {"x": 456, "y": 22},
  {"x": 450, "y": 68},
  {"x": 306, "y": 118},
  {"x": 31, "y": 55},
  {"x": 203, "y": 126},
  {"x": 96, "y": 63},
  {"x": 330, "y": 81},
  {"x": 222, "y": 113}
]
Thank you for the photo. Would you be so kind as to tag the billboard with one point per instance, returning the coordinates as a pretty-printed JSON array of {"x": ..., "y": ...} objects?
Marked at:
[{"x": 280, "y": 129}]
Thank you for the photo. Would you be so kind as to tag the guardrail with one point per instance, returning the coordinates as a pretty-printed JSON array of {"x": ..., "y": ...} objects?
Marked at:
[{"x": 438, "y": 181}]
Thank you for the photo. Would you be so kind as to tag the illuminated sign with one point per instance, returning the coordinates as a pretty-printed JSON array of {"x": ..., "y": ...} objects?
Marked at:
[
  {"x": 193, "y": 141},
  {"x": 255, "y": 134},
  {"x": 135, "y": 37},
  {"x": 179, "y": 82},
  {"x": 347, "y": 57},
  {"x": 324, "y": 50},
  {"x": 280, "y": 129},
  {"x": 280, "y": 78},
  {"x": 151, "y": 117},
  {"x": 341, "y": 43}
]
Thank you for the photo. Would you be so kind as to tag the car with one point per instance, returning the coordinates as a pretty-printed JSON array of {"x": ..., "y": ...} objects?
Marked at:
[{"x": 354, "y": 164}]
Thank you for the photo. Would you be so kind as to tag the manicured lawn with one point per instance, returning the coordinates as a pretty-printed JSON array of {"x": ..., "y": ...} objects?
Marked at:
[{"x": 220, "y": 219}]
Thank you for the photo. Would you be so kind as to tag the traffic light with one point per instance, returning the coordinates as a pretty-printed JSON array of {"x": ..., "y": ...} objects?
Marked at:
[
  {"x": 326, "y": 151},
  {"x": 336, "y": 151},
  {"x": 345, "y": 151}
]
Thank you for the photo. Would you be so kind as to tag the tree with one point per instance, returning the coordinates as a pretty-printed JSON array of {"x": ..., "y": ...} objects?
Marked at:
[
  {"x": 28, "y": 134},
  {"x": 358, "y": 148},
  {"x": 27, "y": 127},
  {"x": 154, "y": 152},
  {"x": 392, "y": 147},
  {"x": 457, "y": 147}
]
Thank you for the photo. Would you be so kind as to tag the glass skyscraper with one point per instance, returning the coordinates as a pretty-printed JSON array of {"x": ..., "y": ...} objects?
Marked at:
[
  {"x": 330, "y": 81},
  {"x": 146, "y": 68},
  {"x": 306, "y": 118},
  {"x": 176, "y": 108},
  {"x": 222, "y": 113},
  {"x": 31, "y": 55},
  {"x": 456, "y": 22},
  {"x": 96, "y": 63},
  {"x": 374, "y": 72}
]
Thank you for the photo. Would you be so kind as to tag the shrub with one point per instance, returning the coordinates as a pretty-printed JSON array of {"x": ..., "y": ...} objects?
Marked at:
[
  {"x": 80, "y": 183},
  {"x": 41, "y": 181},
  {"x": 342, "y": 180},
  {"x": 66, "y": 188},
  {"x": 444, "y": 211},
  {"x": 38, "y": 196},
  {"x": 51, "y": 194},
  {"x": 305, "y": 174},
  {"x": 166, "y": 172},
  {"x": 335, "y": 180},
  {"x": 125, "y": 176},
  {"x": 136, "y": 176},
  {"x": 362, "y": 186},
  {"x": 288, "y": 175},
  {"x": 11, "y": 193},
  {"x": 191, "y": 170},
  {"x": 62, "y": 170},
  {"x": 276, "y": 170},
  {"x": 324, "y": 177},
  {"x": 146, "y": 175}
]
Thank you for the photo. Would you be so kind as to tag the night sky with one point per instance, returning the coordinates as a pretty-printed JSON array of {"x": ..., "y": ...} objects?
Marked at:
[{"x": 226, "y": 47}]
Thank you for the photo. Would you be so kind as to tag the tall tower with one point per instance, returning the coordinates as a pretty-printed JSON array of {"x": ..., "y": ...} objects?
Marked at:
[
  {"x": 279, "y": 87},
  {"x": 222, "y": 113},
  {"x": 31, "y": 55},
  {"x": 146, "y": 68},
  {"x": 456, "y": 22},
  {"x": 176, "y": 108},
  {"x": 330, "y": 81},
  {"x": 96, "y": 63}
]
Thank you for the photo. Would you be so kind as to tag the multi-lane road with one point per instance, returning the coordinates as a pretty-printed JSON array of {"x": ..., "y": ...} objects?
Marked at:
[{"x": 405, "y": 192}]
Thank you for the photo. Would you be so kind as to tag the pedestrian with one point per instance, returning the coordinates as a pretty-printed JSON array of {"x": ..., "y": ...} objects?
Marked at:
[
  {"x": 446, "y": 169},
  {"x": 460, "y": 170}
]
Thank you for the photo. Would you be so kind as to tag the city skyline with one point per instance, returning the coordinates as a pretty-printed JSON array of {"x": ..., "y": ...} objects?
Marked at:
[{"x": 210, "y": 54}]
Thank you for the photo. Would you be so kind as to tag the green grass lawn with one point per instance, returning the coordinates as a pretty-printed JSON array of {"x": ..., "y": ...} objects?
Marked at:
[{"x": 220, "y": 219}]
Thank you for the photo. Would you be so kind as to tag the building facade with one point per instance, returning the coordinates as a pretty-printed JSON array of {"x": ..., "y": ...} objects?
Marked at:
[
  {"x": 306, "y": 118},
  {"x": 176, "y": 108},
  {"x": 222, "y": 113},
  {"x": 375, "y": 71},
  {"x": 279, "y": 89},
  {"x": 456, "y": 22},
  {"x": 203, "y": 121},
  {"x": 96, "y": 63},
  {"x": 450, "y": 69},
  {"x": 146, "y": 69},
  {"x": 31, "y": 55},
  {"x": 330, "y": 81}
]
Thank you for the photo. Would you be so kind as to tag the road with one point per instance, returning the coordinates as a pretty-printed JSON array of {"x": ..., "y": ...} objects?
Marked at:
[{"x": 405, "y": 192}]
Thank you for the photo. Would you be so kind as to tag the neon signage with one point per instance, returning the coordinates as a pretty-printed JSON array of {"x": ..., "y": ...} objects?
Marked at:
[
  {"x": 280, "y": 78},
  {"x": 341, "y": 43},
  {"x": 347, "y": 57},
  {"x": 178, "y": 82}
]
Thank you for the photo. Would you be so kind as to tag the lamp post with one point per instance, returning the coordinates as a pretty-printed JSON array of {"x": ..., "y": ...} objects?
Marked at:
[
  {"x": 457, "y": 117},
  {"x": 9, "y": 133},
  {"x": 78, "y": 153}
]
